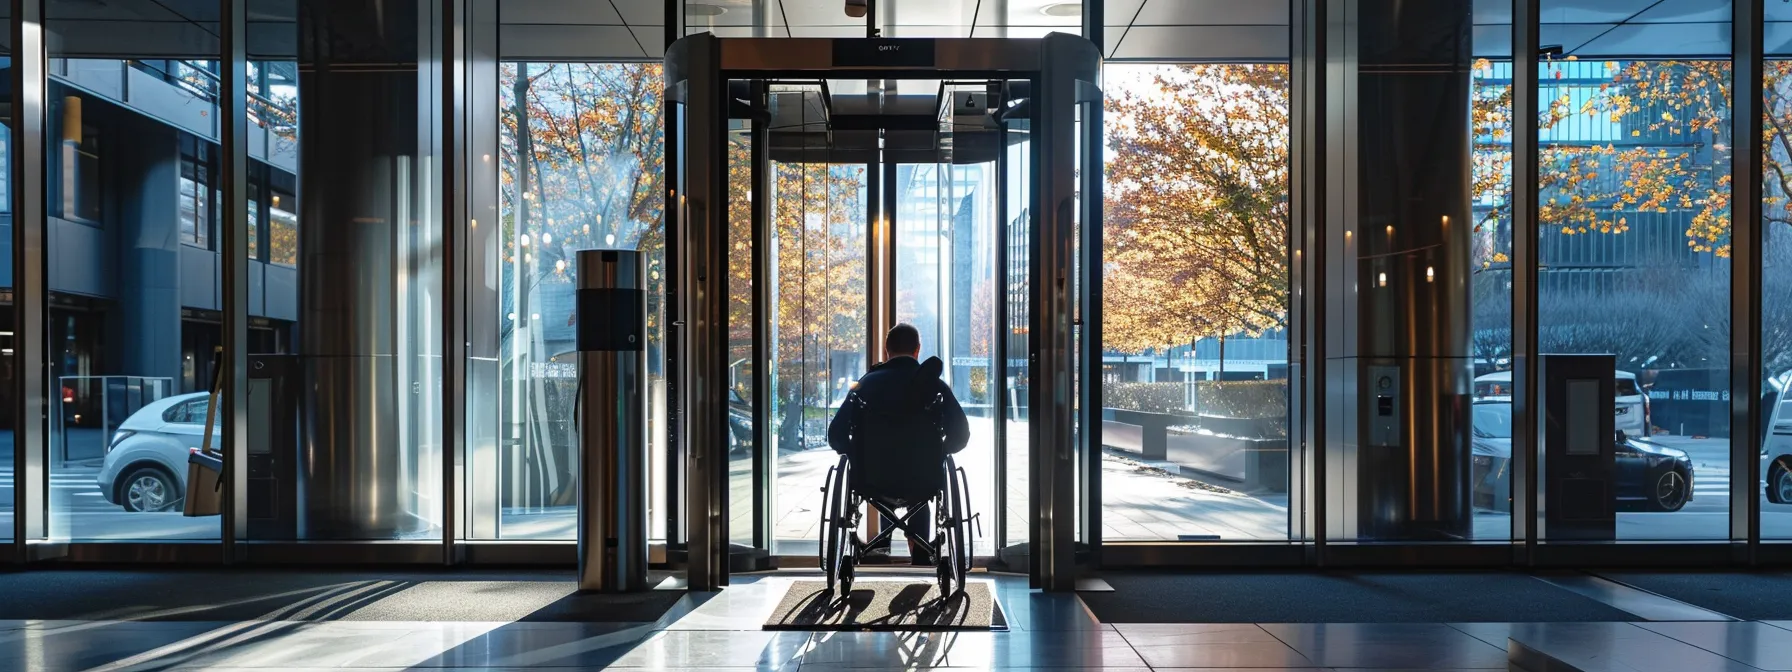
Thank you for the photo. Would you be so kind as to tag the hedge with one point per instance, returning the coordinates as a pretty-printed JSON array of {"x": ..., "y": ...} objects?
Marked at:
[
  {"x": 1245, "y": 399},
  {"x": 1145, "y": 397}
]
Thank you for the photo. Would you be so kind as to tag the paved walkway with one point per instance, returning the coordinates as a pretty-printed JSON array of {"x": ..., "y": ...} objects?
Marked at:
[{"x": 1138, "y": 502}]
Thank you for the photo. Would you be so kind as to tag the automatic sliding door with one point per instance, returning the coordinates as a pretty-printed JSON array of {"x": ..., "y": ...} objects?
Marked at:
[
  {"x": 1016, "y": 219},
  {"x": 945, "y": 286},
  {"x": 816, "y": 311}
]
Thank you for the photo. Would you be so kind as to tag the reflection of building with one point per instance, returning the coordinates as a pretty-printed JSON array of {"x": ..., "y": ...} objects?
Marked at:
[
  {"x": 132, "y": 234},
  {"x": 1613, "y": 292},
  {"x": 1601, "y": 263}
]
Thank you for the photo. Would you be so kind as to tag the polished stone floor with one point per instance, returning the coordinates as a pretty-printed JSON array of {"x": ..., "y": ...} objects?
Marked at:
[{"x": 722, "y": 631}]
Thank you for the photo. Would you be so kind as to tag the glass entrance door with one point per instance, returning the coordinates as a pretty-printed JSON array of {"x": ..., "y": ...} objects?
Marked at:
[{"x": 801, "y": 285}]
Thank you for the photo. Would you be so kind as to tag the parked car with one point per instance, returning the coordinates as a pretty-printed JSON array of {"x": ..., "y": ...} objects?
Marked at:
[
  {"x": 1649, "y": 475},
  {"x": 146, "y": 459},
  {"x": 1631, "y": 407},
  {"x": 1776, "y": 445},
  {"x": 1491, "y": 471}
]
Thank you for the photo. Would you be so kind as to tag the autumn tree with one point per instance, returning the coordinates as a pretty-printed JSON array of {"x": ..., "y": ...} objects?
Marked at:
[
  {"x": 581, "y": 155},
  {"x": 818, "y": 283},
  {"x": 1197, "y": 205}
]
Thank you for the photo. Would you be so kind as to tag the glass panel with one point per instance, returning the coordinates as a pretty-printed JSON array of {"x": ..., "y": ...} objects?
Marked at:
[
  {"x": 1634, "y": 250},
  {"x": 7, "y": 326},
  {"x": 945, "y": 273},
  {"x": 1490, "y": 294},
  {"x": 742, "y": 481},
  {"x": 818, "y": 324},
  {"x": 1015, "y": 287},
  {"x": 363, "y": 460},
  {"x": 1402, "y": 323},
  {"x": 581, "y": 168},
  {"x": 133, "y": 280},
  {"x": 1776, "y": 315},
  {"x": 1195, "y": 303}
]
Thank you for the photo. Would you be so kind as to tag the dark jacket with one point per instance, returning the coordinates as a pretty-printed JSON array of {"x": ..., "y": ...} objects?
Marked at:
[{"x": 884, "y": 386}]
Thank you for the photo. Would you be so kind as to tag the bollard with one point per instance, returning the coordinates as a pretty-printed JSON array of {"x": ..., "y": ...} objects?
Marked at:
[{"x": 612, "y": 339}]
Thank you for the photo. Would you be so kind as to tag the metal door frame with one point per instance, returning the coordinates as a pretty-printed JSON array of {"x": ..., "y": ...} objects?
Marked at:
[{"x": 698, "y": 69}]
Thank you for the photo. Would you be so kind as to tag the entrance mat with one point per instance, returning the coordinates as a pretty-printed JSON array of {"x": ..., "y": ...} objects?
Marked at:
[
  {"x": 1340, "y": 597},
  {"x": 309, "y": 595},
  {"x": 1751, "y": 596},
  {"x": 886, "y": 605}
]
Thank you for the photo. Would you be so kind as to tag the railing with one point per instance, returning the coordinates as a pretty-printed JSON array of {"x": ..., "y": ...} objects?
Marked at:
[
  {"x": 199, "y": 80},
  {"x": 88, "y": 409}
]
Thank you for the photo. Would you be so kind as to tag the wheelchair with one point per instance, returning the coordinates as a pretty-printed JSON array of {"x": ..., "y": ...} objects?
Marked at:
[{"x": 950, "y": 545}]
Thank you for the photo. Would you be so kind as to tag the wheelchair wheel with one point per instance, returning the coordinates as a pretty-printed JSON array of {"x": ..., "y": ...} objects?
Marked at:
[
  {"x": 836, "y": 557},
  {"x": 954, "y": 560}
]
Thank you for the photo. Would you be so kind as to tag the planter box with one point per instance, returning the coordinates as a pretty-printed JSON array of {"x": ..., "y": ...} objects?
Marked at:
[
  {"x": 1251, "y": 465},
  {"x": 1139, "y": 432}
]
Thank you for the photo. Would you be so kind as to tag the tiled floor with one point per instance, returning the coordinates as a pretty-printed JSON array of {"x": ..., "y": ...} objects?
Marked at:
[{"x": 722, "y": 631}]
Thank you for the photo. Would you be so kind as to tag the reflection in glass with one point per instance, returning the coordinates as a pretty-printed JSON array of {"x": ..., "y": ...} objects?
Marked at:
[
  {"x": 1490, "y": 296},
  {"x": 1634, "y": 255},
  {"x": 7, "y": 326},
  {"x": 1015, "y": 283},
  {"x": 580, "y": 167},
  {"x": 818, "y": 331},
  {"x": 1776, "y": 314},
  {"x": 945, "y": 275},
  {"x": 742, "y": 484},
  {"x": 1195, "y": 293},
  {"x": 133, "y": 298}
]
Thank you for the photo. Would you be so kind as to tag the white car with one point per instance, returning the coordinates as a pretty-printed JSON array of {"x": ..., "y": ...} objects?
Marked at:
[
  {"x": 1631, "y": 408},
  {"x": 146, "y": 459},
  {"x": 1776, "y": 446}
]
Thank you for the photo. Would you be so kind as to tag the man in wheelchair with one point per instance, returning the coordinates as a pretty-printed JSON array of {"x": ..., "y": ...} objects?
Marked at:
[{"x": 896, "y": 428}]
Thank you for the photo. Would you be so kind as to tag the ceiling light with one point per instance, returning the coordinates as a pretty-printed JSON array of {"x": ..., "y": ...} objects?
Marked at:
[
  {"x": 1063, "y": 10},
  {"x": 704, "y": 9}
]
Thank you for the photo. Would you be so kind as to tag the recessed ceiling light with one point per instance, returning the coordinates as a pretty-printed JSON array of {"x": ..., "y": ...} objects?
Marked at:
[
  {"x": 1062, "y": 9},
  {"x": 701, "y": 9}
]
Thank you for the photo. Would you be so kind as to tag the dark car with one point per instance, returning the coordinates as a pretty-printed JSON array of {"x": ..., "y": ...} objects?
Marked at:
[{"x": 1650, "y": 476}]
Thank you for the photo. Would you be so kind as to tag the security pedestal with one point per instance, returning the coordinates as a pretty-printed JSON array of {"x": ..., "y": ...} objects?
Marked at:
[
  {"x": 612, "y": 441},
  {"x": 1579, "y": 469}
]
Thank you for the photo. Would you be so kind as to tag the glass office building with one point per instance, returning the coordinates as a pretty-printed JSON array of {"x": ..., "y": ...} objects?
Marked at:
[{"x": 1328, "y": 278}]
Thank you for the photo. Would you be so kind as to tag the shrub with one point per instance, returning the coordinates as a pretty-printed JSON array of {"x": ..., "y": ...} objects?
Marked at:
[
  {"x": 1144, "y": 397},
  {"x": 1245, "y": 399}
]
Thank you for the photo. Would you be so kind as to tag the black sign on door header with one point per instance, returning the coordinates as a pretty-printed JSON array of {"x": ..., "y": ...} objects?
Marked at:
[{"x": 883, "y": 52}]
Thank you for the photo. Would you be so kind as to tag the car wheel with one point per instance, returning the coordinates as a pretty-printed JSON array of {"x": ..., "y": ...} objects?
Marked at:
[
  {"x": 149, "y": 489},
  {"x": 1779, "y": 484},
  {"x": 1670, "y": 491}
]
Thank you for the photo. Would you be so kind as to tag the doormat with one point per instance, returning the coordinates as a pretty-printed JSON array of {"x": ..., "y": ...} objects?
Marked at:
[{"x": 886, "y": 605}]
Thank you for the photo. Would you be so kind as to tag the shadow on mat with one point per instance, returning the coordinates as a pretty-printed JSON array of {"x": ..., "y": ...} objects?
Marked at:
[{"x": 887, "y": 606}]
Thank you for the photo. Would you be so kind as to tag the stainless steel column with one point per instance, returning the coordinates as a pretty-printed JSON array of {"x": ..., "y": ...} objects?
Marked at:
[
  {"x": 358, "y": 161},
  {"x": 612, "y": 335},
  {"x": 696, "y": 228},
  {"x": 1400, "y": 148},
  {"x": 1069, "y": 65}
]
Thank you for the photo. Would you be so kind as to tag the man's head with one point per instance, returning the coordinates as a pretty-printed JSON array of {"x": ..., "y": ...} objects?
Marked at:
[{"x": 902, "y": 341}]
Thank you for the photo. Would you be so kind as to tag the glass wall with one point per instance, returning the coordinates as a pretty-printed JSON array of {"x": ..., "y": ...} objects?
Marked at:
[
  {"x": 816, "y": 316},
  {"x": 1634, "y": 253},
  {"x": 1195, "y": 298},
  {"x": 346, "y": 291},
  {"x": 744, "y": 479},
  {"x": 1776, "y": 314},
  {"x": 8, "y": 323},
  {"x": 581, "y": 167},
  {"x": 133, "y": 260},
  {"x": 1014, "y": 331},
  {"x": 945, "y": 274},
  {"x": 1490, "y": 298}
]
